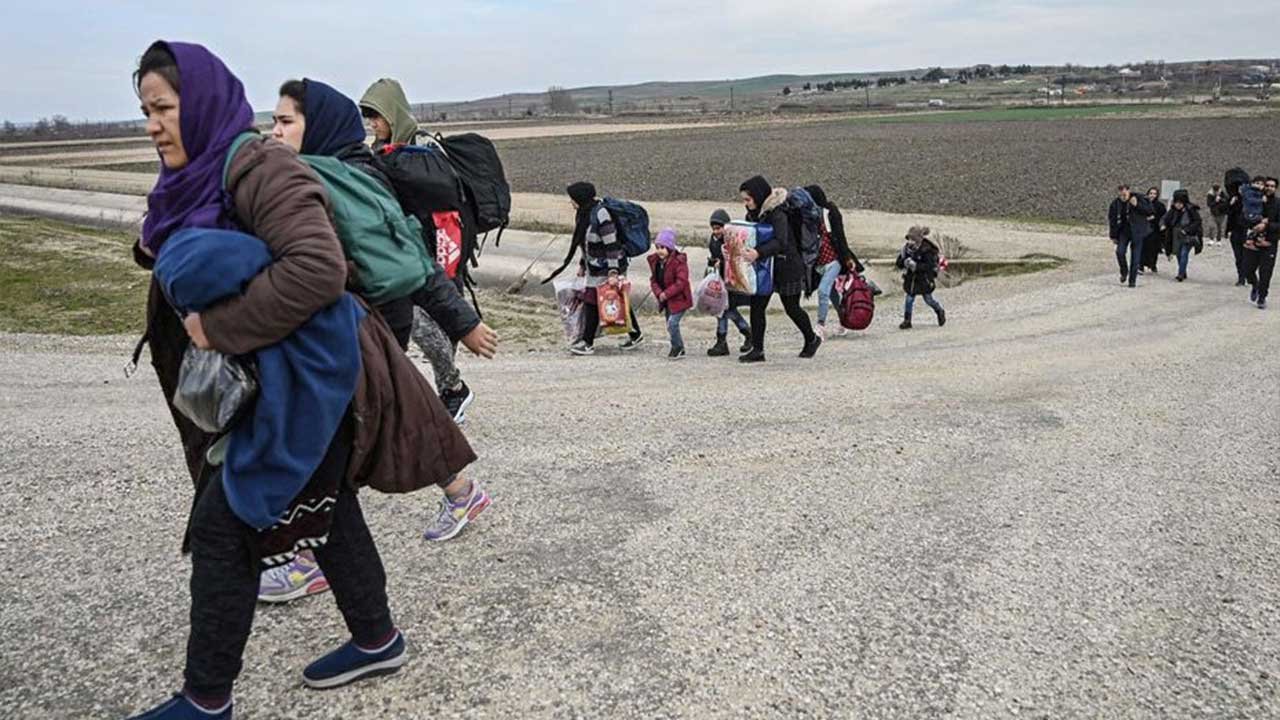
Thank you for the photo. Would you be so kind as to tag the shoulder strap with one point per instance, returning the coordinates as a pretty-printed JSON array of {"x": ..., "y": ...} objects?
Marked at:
[{"x": 236, "y": 144}]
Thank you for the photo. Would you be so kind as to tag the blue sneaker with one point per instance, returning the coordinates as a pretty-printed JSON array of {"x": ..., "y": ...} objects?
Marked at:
[
  {"x": 180, "y": 708},
  {"x": 350, "y": 663}
]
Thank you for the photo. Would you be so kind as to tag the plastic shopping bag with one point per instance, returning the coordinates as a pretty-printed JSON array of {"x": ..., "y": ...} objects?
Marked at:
[
  {"x": 569, "y": 300},
  {"x": 615, "y": 307},
  {"x": 711, "y": 297}
]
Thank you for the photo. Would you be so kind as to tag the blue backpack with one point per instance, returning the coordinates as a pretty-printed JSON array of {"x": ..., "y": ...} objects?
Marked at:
[{"x": 633, "y": 225}]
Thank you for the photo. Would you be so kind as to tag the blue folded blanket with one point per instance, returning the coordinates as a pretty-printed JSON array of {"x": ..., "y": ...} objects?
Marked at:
[{"x": 306, "y": 381}]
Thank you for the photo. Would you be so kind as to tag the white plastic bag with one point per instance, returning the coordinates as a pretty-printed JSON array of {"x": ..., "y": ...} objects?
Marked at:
[
  {"x": 712, "y": 295},
  {"x": 569, "y": 294}
]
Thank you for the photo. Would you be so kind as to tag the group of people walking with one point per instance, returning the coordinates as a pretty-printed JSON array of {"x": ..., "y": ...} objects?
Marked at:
[
  {"x": 1244, "y": 210},
  {"x": 605, "y": 263},
  {"x": 252, "y": 262}
]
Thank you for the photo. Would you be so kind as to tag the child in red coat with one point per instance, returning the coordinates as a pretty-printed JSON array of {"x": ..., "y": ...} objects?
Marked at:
[{"x": 670, "y": 285}]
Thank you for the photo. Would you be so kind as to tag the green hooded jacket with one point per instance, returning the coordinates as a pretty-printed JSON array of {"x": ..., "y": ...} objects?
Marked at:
[{"x": 386, "y": 98}]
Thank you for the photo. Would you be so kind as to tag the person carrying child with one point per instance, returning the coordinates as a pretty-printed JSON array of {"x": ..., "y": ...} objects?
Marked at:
[
  {"x": 919, "y": 260},
  {"x": 670, "y": 285},
  {"x": 715, "y": 261}
]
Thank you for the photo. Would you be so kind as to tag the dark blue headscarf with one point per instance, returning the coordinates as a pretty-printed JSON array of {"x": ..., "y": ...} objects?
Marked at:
[
  {"x": 213, "y": 112},
  {"x": 333, "y": 120}
]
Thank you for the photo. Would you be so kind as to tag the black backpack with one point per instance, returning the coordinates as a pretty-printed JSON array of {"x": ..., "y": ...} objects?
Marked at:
[
  {"x": 427, "y": 183},
  {"x": 476, "y": 161}
]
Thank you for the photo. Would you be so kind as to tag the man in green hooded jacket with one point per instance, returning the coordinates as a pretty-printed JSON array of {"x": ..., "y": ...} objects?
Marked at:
[{"x": 393, "y": 122}]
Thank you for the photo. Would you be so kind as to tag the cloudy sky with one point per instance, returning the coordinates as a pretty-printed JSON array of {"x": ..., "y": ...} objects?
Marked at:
[{"x": 74, "y": 57}]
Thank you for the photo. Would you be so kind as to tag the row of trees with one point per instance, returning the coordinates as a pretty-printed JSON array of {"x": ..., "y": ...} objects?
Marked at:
[{"x": 59, "y": 127}]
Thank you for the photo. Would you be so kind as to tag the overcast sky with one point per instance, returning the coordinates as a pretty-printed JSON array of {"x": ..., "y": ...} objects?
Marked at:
[{"x": 74, "y": 57}]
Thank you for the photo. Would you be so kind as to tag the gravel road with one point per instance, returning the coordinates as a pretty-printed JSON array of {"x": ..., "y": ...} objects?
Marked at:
[{"x": 1061, "y": 505}]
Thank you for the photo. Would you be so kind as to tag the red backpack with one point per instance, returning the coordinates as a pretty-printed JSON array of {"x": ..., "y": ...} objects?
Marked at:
[{"x": 857, "y": 302}]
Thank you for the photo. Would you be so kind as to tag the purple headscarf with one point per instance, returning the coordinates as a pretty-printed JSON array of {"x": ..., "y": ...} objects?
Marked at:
[{"x": 213, "y": 112}]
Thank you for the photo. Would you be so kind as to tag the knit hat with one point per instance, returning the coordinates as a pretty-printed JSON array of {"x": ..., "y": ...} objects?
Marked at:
[
  {"x": 720, "y": 217},
  {"x": 758, "y": 188},
  {"x": 666, "y": 239},
  {"x": 583, "y": 193}
]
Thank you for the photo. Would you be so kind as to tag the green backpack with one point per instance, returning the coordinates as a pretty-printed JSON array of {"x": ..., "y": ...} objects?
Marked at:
[{"x": 383, "y": 243}]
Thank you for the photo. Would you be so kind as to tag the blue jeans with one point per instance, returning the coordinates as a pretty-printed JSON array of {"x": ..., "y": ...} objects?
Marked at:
[
  {"x": 673, "y": 329},
  {"x": 1129, "y": 268},
  {"x": 1184, "y": 256},
  {"x": 928, "y": 299},
  {"x": 722, "y": 327},
  {"x": 829, "y": 274}
]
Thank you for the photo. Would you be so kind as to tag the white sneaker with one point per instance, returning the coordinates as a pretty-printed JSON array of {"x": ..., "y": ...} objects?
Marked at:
[{"x": 843, "y": 331}]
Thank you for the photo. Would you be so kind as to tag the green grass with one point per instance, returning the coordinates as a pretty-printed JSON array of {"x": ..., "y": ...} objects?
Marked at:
[{"x": 63, "y": 279}]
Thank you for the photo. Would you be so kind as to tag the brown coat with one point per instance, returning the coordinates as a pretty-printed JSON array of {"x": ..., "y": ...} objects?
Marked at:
[{"x": 404, "y": 438}]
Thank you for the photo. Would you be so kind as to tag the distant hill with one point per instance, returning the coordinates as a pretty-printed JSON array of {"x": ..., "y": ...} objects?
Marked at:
[{"x": 767, "y": 91}]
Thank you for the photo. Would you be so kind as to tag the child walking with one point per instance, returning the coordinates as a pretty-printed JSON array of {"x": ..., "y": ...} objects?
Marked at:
[
  {"x": 670, "y": 285},
  {"x": 919, "y": 262},
  {"x": 715, "y": 261}
]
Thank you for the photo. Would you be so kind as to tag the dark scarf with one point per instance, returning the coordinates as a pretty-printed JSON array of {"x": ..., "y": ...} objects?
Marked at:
[
  {"x": 214, "y": 111},
  {"x": 584, "y": 194},
  {"x": 333, "y": 120}
]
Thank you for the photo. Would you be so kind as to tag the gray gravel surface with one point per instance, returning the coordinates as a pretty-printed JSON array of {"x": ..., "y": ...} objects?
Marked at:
[{"x": 1063, "y": 504}]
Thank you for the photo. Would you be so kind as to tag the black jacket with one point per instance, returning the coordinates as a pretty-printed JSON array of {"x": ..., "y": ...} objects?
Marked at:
[
  {"x": 922, "y": 279},
  {"x": 788, "y": 266},
  {"x": 1123, "y": 217}
]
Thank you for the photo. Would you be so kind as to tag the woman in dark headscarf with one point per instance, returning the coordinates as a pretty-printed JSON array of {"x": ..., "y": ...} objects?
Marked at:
[
  {"x": 201, "y": 125},
  {"x": 317, "y": 120},
  {"x": 604, "y": 262},
  {"x": 766, "y": 204}
]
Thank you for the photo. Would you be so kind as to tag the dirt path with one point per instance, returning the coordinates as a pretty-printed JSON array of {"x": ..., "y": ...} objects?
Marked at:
[{"x": 1063, "y": 504}]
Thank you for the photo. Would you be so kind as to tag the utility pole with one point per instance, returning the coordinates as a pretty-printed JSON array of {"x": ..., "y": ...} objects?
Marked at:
[{"x": 611, "y": 102}]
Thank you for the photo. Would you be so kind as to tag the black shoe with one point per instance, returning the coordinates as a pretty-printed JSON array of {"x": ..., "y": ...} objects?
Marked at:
[
  {"x": 746, "y": 345},
  {"x": 632, "y": 343},
  {"x": 906, "y": 325},
  {"x": 1133, "y": 284},
  {"x": 1124, "y": 278},
  {"x": 942, "y": 318},
  {"x": 457, "y": 402},
  {"x": 1180, "y": 278},
  {"x": 1253, "y": 295},
  {"x": 720, "y": 349},
  {"x": 677, "y": 353},
  {"x": 811, "y": 347},
  {"x": 755, "y": 356},
  {"x": 1241, "y": 283}
]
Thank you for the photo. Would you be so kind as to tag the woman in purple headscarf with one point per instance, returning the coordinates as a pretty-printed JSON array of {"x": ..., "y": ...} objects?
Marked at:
[{"x": 197, "y": 116}]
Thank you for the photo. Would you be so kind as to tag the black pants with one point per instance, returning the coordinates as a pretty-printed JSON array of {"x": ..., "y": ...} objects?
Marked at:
[
  {"x": 1238, "y": 236},
  {"x": 224, "y": 579},
  {"x": 1260, "y": 264},
  {"x": 398, "y": 315},
  {"x": 591, "y": 324},
  {"x": 760, "y": 314}
]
